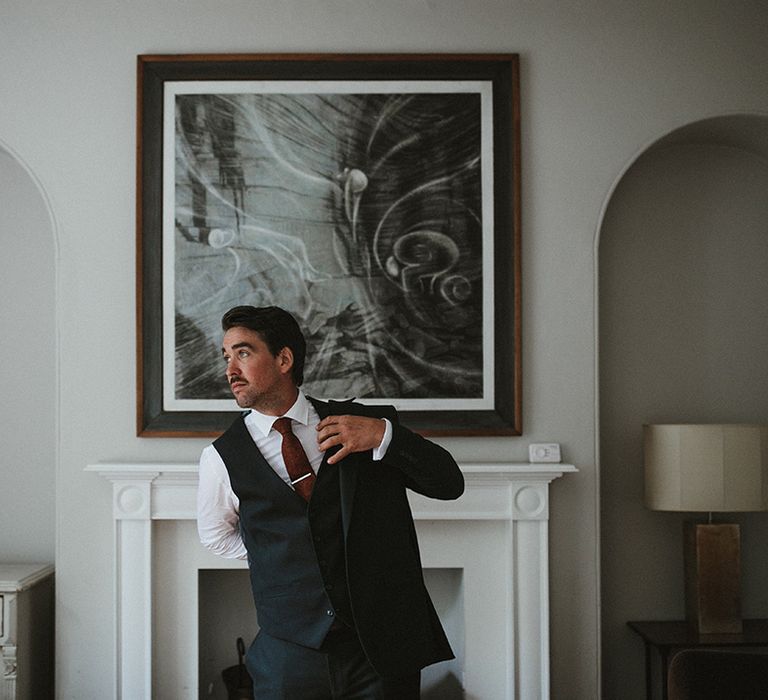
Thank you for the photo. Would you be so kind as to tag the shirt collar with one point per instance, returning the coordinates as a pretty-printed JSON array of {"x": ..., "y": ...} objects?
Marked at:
[{"x": 298, "y": 412}]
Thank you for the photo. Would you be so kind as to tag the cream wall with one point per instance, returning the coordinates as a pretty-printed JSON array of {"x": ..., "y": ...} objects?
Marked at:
[{"x": 600, "y": 81}]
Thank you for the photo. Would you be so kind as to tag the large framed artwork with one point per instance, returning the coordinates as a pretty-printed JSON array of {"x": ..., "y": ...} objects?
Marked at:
[{"x": 374, "y": 196}]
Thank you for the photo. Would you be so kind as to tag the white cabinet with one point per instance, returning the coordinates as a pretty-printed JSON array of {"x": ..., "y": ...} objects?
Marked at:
[{"x": 26, "y": 631}]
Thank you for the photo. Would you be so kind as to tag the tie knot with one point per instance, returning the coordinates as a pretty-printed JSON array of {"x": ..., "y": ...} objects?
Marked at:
[{"x": 283, "y": 425}]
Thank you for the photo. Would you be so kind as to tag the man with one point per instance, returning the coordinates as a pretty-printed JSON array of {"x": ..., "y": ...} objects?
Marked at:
[{"x": 313, "y": 493}]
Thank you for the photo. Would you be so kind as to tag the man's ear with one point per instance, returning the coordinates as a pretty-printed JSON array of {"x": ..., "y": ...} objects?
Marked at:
[{"x": 285, "y": 360}]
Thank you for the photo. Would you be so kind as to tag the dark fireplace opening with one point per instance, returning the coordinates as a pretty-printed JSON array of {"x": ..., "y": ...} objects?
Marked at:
[{"x": 226, "y": 612}]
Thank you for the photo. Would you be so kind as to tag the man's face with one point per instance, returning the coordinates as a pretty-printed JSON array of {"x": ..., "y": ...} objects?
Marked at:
[{"x": 257, "y": 378}]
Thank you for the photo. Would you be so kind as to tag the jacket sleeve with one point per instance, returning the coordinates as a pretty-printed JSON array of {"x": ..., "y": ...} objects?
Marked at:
[{"x": 426, "y": 467}]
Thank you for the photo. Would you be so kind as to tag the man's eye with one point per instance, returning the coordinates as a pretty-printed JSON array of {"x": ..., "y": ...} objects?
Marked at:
[{"x": 243, "y": 353}]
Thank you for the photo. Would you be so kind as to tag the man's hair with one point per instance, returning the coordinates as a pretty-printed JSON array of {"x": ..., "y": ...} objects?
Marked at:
[{"x": 276, "y": 327}]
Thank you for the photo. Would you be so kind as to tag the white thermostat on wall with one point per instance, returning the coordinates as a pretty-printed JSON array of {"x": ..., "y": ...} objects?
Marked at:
[{"x": 549, "y": 452}]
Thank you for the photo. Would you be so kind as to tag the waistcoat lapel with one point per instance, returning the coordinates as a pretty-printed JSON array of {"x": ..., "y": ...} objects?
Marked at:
[{"x": 239, "y": 433}]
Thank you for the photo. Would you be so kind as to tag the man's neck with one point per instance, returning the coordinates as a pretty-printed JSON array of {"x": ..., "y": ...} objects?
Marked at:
[{"x": 280, "y": 405}]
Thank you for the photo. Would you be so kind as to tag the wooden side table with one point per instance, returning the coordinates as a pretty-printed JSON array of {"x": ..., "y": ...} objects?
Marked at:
[
  {"x": 669, "y": 637},
  {"x": 26, "y": 631}
]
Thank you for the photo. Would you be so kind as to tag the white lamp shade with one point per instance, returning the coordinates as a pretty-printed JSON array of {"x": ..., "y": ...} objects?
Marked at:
[{"x": 707, "y": 468}]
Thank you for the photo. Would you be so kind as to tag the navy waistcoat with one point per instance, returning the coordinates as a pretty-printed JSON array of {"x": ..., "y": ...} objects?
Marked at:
[{"x": 295, "y": 550}]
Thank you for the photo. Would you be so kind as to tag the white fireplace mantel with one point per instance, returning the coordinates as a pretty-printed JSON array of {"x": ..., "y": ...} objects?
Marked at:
[{"x": 514, "y": 495}]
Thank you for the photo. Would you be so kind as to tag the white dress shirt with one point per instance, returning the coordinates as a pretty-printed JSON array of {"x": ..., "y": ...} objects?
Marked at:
[{"x": 218, "y": 508}]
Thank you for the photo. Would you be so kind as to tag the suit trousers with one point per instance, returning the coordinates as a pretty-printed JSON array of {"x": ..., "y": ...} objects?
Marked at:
[{"x": 339, "y": 670}]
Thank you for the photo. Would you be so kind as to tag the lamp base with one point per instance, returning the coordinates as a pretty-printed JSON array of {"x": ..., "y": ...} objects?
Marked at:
[{"x": 713, "y": 578}]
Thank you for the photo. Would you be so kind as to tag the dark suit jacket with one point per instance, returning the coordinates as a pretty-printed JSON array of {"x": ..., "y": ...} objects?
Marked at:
[{"x": 395, "y": 618}]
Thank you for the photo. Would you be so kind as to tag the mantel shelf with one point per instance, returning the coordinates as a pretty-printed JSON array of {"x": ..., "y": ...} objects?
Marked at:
[{"x": 471, "y": 470}]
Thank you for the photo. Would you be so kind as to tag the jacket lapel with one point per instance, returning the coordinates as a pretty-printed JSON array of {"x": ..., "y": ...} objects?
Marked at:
[{"x": 347, "y": 474}]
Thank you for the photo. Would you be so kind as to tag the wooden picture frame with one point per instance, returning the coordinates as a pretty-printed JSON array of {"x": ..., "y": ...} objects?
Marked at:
[{"x": 375, "y": 196}]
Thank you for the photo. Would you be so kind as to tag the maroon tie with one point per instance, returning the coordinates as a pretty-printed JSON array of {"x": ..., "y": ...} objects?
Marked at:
[{"x": 296, "y": 462}]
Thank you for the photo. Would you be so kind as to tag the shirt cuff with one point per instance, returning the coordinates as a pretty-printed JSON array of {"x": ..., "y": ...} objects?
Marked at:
[{"x": 381, "y": 450}]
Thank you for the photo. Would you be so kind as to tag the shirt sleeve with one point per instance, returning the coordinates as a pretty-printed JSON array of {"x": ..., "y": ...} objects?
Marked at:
[
  {"x": 381, "y": 450},
  {"x": 218, "y": 508}
]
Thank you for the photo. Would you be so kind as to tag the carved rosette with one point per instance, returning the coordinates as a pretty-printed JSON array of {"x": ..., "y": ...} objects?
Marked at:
[
  {"x": 8, "y": 654},
  {"x": 132, "y": 500},
  {"x": 530, "y": 501}
]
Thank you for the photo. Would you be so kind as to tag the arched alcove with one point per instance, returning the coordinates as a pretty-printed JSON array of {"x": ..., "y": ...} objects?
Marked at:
[
  {"x": 683, "y": 336},
  {"x": 28, "y": 383}
]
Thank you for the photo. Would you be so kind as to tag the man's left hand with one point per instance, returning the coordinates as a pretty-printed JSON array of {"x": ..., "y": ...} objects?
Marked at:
[{"x": 353, "y": 433}]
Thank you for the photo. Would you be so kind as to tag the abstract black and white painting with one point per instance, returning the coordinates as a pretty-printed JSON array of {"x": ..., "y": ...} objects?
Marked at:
[{"x": 363, "y": 207}]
